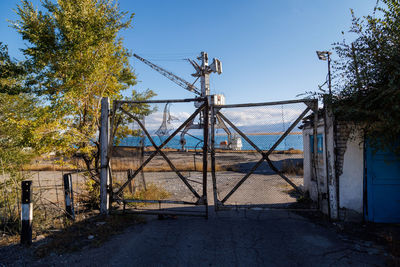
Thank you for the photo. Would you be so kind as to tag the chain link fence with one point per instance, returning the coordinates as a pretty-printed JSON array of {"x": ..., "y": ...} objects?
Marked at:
[
  {"x": 48, "y": 198},
  {"x": 262, "y": 146},
  {"x": 145, "y": 177}
]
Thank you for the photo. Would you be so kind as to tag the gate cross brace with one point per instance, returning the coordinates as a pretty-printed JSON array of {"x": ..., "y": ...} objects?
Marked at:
[
  {"x": 158, "y": 149},
  {"x": 162, "y": 154},
  {"x": 265, "y": 156}
]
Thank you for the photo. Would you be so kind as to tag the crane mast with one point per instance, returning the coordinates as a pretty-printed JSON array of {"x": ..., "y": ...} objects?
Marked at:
[{"x": 203, "y": 71}]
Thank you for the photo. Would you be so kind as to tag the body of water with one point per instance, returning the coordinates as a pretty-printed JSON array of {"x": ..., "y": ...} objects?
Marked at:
[{"x": 264, "y": 142}]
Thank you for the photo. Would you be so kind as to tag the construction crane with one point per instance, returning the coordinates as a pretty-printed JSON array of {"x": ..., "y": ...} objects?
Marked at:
[{"x": 203, "y": 71}]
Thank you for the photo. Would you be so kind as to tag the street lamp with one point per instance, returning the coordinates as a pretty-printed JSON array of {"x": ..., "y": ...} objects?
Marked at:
[{"x": 325, "y": 55}]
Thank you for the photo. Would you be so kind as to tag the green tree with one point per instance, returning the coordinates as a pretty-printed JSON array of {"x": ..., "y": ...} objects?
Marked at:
[
  {"x": 368, "y": 75},
  {"x": 76, "y": 56},
  {"x": 18, "y": 119},
  {"x": 11, "y": 73}
]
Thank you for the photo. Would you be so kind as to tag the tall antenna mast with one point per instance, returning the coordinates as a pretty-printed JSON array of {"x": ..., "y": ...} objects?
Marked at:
[{"x": 205, "y": 78}]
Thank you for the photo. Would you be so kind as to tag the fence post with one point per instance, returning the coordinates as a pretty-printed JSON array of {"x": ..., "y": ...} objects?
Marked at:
[
  {"x": 104, "y": 173},
  {"x": 69, "y": 196},
  {"x": 26, "y": 213}
]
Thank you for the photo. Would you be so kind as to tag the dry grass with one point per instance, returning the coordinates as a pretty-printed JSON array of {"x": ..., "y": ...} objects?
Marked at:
[
  {"x": 45, "y": 222},
  {"x": 53, "y": 163},
  {"x": 290, "y": 151},
  {"x": 118, "y": 165},
  {"x": 152, "y": 192},
  {"x": 48, "y": 167},
  {"x": 131, "y": 161},
  {"x": 292, "y": 168},
  {"x": 7, "y": 240},
  {"x": 121, "y": 165}
]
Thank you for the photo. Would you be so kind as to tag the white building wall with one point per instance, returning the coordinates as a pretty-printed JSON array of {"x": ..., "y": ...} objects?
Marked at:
[
  {"x": 351, "y": 181},
  {"x": 310, "y": 184},
  {"x": 351, "y": 178}
]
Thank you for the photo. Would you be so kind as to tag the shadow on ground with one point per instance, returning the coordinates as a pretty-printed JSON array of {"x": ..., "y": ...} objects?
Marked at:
[{"x": 283, "y": 165}]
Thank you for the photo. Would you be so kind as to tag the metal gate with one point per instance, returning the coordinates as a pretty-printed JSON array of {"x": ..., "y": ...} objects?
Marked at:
[
  {"x": 259, "y": 165},
  {"x": 252, "y": 179},
  {"x": 164, "y": 187}
]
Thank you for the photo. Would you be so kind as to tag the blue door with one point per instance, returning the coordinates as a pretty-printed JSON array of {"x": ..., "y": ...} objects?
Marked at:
[{"x": 382, "y": 187}]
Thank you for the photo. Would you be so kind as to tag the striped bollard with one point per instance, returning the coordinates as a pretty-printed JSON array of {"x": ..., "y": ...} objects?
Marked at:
[
  {"x": 26, "y": 213},
  {"x": 69, "y": 197}
]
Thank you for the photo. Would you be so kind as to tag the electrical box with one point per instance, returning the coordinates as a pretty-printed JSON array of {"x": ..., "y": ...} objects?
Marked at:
[
  {"x": 216, "y": 66},
  {"x": 219, "y": 99}
]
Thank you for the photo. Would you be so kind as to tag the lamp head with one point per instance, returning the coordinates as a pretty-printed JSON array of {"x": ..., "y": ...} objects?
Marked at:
[{"x": 322, "y": 55}]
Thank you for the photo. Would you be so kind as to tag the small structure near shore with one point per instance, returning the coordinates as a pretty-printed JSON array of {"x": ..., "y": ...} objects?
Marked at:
[{"x": 350, "y": 180}]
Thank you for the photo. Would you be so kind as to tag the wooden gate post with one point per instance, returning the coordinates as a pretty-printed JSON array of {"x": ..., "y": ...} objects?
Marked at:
[{"x": 104, "y": 172}]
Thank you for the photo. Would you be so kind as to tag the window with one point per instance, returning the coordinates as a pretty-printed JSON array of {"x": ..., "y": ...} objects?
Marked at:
[{"x": 319, "y": 143}]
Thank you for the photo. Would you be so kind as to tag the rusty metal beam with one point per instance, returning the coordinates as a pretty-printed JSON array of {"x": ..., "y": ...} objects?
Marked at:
[
  {"x": 265, "y": 103},
  {"x": 159, "y": 201},
  {"x": 163, "y": 212},
  {"x": 198, "y": 99}
]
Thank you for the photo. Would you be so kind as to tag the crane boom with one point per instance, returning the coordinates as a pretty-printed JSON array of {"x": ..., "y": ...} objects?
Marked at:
[{"x": 179, "y": 81}]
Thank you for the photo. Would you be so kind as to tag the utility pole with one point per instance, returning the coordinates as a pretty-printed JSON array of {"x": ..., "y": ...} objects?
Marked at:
[
  {"x": 329, "y": 74},
  {"x": 326, "y": 55}
]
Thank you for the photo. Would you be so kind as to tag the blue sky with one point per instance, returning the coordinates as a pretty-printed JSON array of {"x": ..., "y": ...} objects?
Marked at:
[{"x": 267, "y": 48}]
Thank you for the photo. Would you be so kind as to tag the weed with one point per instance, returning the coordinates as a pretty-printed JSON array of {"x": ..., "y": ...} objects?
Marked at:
[
  {"x": 90, "y": 197},
  {"x": 9, "y": 201},
  {"x": 292, "y": 168},
  {"x": 152, "y": 192}
]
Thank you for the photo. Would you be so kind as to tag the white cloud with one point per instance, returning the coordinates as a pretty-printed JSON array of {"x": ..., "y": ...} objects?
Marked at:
[{"x": 262, "y": 115}]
